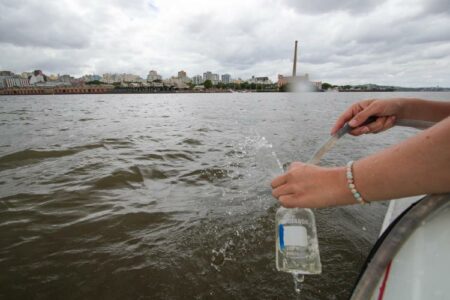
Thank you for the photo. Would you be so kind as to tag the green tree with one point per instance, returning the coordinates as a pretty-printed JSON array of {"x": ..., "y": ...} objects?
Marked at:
[
  {"x": 94, "y": 82},
  {"x": 326, "y": 86},
  {"x": 208, "y": 84}
]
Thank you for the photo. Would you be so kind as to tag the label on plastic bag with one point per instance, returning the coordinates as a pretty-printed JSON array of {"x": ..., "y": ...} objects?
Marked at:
[{"x": 293, "y": 236}]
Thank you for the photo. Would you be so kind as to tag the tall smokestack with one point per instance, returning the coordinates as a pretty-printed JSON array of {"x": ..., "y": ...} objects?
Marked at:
[{"x": 294, "y": 68}]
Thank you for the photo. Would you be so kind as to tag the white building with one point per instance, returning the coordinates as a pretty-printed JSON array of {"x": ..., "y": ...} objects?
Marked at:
[
  {"x": 183, "y": 77},
  {"x": 226, "y": 78},
  {"x": 211, "y": 76},
  {"x": 65, "y": 78},
  {"x": 176, "y": 83},
  {"x": 16, "y": 81},
  {"x": 153, "y": 75},
  {"x": 92, "y": 77},
  {"x": 114, "y": 77},
  {"x": 197, "y": 80},
  {"x": 13, "y": 81},
  {"x": 260, "y": 80},
  {"x": 37, "y": 77}
]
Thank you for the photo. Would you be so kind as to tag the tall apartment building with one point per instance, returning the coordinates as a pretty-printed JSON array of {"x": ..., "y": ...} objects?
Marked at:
[
  {"x": 226, "y": 78},
  {"x": 197, "y": 80},
  {"x": 153, "y": 75},
  {"x": 211, "y": 76}
]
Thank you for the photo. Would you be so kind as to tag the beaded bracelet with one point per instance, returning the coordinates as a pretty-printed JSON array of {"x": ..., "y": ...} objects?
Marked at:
[{"x": 351, "y": 184}]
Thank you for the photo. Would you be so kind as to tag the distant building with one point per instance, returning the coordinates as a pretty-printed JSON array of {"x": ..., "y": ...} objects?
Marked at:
[
  {"x": 52, "y": 77},
  {"x": 216, "y": 79},
  {"x": 9, "y": 80},
  {"x": 197, "y": 80},
  {"x": 176, "y": 83},
  {"x": 93, "y": 77},
  {"x": 65, "y": 78},
  {"x": 211, "y": 76},
  {"x": 183, "y": 77},
  {"x": 226, "y": 78},
  {"x": 153, "y": 75},
  {"x": 6, "y": 73},
  {"x": 260, "y": 80},
  {"x": 37, "y": 77},
  {"x": 207, "y": 76},
  {"x": 182, "y": 74},
  {"x": 16, "y": 81},
  {"x": 26, "y": 75}
]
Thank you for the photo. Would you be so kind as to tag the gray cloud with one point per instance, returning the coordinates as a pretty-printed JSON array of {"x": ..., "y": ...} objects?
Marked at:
[
  {"x": 340, "y": 41},
  {"x": 29, "y": 23},
  {"x": 327, "y": 6},
  {"x": 436, "y": 7}
]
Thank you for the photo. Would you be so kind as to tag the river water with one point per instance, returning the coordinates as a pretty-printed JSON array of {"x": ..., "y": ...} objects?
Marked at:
[{"x": 162, "y": 197}]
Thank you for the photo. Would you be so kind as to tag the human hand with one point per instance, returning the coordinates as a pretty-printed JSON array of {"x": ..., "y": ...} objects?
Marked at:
[
  {"x": 386, "y": 111},
  {"x": 310, "y": 186}
]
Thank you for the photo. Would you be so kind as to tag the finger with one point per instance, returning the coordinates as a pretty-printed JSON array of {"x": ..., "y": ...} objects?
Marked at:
[
  {"x": 389, "y": 123},
  {"x": 363, "y": 115},
  {"x": 294, "y": 164},
  {"x": 287, "y": 201},
  {"x": 282, "y": 190},
  {"x": 377, "y": 125},
  {"x": 360, "y": 131},
  {"x": 282, "y": 179},
  {"x": 346, "y": 115}
]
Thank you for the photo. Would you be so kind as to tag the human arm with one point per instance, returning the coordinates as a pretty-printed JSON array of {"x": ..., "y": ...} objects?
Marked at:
[
  {"x": 388, "y": 111},
  {"x": 418, "y": 165}
]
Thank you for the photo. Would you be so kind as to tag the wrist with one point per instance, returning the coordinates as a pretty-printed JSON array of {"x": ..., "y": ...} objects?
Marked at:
[
  {"x": 401, "y": 108},
  {"x": 339, "y": 193}
]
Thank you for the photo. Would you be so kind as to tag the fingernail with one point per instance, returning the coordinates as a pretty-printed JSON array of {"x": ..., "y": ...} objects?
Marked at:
[
  {"x": 365, "y": 130},
  {"x": 352, "y": 123}
]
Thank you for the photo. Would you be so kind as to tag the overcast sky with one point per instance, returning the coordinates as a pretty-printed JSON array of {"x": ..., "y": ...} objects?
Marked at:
[{"x": 400, "y": 42}]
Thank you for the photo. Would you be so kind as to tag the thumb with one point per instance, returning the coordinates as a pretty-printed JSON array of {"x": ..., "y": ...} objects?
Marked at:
[{"x": 362, "y": 116}]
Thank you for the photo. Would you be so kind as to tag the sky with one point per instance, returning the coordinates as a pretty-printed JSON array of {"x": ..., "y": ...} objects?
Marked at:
[{"x": 392, "y": 42}]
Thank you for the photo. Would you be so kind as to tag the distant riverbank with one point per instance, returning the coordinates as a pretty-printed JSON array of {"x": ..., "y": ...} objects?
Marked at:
[{"x": 114, "y": 90}]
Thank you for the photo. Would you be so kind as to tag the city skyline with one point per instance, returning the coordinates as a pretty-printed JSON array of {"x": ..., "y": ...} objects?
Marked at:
[{"x": 393, "y": 42}]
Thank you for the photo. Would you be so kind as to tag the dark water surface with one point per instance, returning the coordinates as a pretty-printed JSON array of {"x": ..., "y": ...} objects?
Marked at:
[{"x": 161, "y": 197}]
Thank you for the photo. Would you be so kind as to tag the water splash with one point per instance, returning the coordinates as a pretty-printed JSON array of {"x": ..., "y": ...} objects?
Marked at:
[{"x": 266, "y": 157}]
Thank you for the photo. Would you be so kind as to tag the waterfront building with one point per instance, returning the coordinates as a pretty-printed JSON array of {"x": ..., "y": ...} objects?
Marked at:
[
  {"x": 182, "y": 74},
  {"x": 176, "y": 83},
  {"x": 37, "y": 77},
  {"x": 9, "y": 80},
  {"x": 216, "y": 79},
  {"x": 226, "y": 78},
  {"x": 16, "y": 81},
  {"x": 207, "y": 76},
  {"x": 6, "y": 73},
  {"x": 183, "y": 77},
  {"x": 52, "y": 77},
  {"x": 211, "y": 76},
  {"x": 93, "y": 77},
  {"x": 26, "y": 75},
  {"x": 197, "y": 80},
  {"x": 65, "y": 78},
  {"x": 153, "y": 75},
  {"x": 260, "y": 80}
]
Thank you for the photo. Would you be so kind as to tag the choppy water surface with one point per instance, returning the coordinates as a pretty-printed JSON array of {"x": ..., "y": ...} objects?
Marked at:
[{"x": 162, "y": 197}]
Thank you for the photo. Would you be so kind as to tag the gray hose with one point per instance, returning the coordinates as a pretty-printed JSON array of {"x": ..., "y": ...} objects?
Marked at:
[{"x": 347, "y": 128}]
